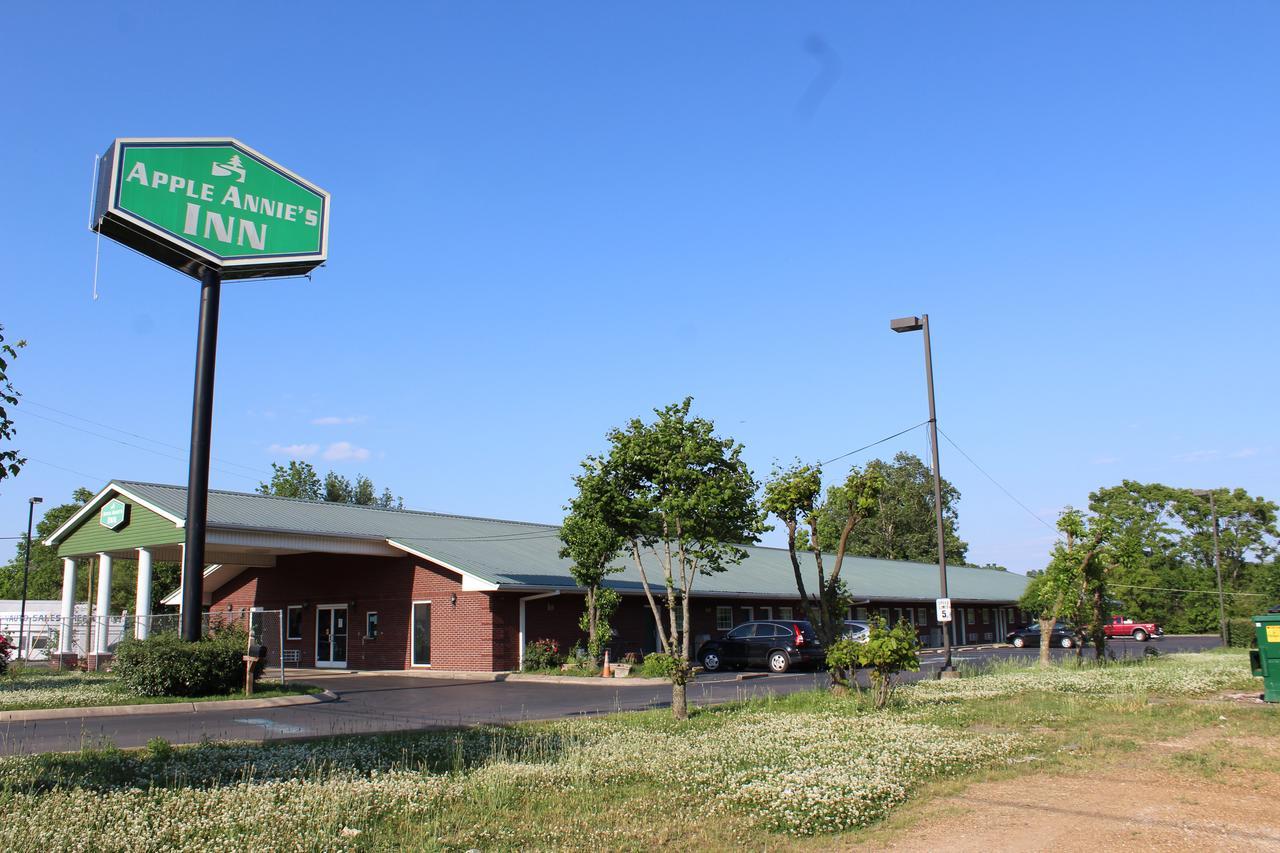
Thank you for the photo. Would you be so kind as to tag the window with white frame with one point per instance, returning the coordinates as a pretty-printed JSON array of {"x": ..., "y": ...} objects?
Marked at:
[
  {"x": 969, "y": 617},
  {"x": 724, "y": 618},
  {"x": 371, "y": 625},
  {"x": 785, "y": 613},
  {"x": 922, "y": 616}
]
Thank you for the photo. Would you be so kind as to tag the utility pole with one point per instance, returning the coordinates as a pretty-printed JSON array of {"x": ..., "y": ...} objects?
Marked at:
[
  {"x": 913, "y": 324},
  {"x": 26, "y": 569},
  {"x": 1217, "y": 560}
]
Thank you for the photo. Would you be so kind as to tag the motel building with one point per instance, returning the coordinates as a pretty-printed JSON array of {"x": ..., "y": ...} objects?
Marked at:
[{"x": 383, "y": 589}]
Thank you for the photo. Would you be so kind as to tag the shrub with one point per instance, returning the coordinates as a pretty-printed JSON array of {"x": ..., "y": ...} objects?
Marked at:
[
  {"x": 659, "y": 665},
  {"x": 888, "y": 651},
  {"x": 1241, "y": 634},
  {"x": 541, "y": 654},
  {"x": 6, "y": 649},
  {"x": 165, "y": 665},
  {"x": 842, "y": 661}
]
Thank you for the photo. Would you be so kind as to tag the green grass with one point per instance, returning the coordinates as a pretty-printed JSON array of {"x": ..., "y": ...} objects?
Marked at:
[
  {"x": 804, "y": 769},
  {"x": 29, "y": 688}
]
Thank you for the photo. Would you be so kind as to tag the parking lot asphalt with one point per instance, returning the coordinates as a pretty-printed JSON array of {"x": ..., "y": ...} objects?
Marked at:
[{"x": 370, "y": 703}]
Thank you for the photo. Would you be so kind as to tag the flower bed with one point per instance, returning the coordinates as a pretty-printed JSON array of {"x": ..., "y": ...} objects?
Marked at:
[
  {"x": 35, "y": 688},
  {"x": 802, "y": 766}
]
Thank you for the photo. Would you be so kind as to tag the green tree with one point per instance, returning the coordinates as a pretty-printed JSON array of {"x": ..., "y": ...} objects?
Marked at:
[
  {"x": 792, "y": 494},
  {"x": 904, "y": 524},
  {"x": 295, "y": 480},
  {"x": 364, "y": 493},
  {"x": 389, "y": 501},
  {"x": 676, "y": 492},
  {"x": 337, "y": 489},
  {"x": 10, "y": 462},
  {"x": 592, "y": 546},
  {"x": 1072, "y": 586},
  {"x": 1163, "y": 552}
]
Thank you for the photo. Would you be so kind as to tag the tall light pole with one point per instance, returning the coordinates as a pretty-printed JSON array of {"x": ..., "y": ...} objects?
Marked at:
[
  {"x": 1217, "y": 560},
  {"x": 26, "y": 568},
  {"x": 915, "y": 324}
]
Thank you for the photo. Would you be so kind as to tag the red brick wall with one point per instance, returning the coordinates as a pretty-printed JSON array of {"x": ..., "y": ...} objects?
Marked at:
[{"x": 478, "y": 631}]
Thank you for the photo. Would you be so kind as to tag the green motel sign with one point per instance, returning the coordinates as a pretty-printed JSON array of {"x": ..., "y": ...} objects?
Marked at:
[
  {"x": 114, "y": 514},
  {"x": 210, "y": 203}
]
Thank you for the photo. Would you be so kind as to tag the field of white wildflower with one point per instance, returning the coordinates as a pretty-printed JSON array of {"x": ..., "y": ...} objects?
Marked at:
[
  {"x": 38, "y": 689},
  {"x": 1173, "y": 675},
  {"x": 798, "y": 766}
]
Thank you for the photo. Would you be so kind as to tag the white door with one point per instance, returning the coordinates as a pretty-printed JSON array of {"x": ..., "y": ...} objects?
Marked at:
[{"x": 331, "y": 635}]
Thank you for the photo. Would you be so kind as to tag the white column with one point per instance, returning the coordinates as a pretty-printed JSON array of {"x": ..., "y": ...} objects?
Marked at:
[
  {"x": 104, "y": 604},
  {"x": 68, "y": 605},
  {"x": 142, "y": 623}
]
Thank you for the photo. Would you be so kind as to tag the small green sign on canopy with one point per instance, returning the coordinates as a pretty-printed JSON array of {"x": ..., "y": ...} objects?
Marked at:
[
  {"x": 114, "y": 514},
  {"x": 217, "y": 203}
]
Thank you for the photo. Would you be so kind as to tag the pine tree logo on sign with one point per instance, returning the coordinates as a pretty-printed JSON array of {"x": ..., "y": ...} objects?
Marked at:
[{"x": 221, "y": 170}]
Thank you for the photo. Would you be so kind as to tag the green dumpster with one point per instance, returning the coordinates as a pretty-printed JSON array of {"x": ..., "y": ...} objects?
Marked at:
[{"x": 1265, "y": 659}]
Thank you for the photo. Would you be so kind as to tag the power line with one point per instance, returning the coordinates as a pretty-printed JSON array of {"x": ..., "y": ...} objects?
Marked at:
[
  {"x": 69, "y": 470},
  {"x": 179, "y": 448},
  {"x": 130, "y": 444},
  {"x": 1175, "y": 589},
  {"x": 874, "y": 443},
  {"x": 1008, "y": 493}
]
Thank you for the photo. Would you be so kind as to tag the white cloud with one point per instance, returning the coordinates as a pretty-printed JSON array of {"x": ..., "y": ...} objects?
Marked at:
[
  {"x": 1245, "y": 453},
  {"x": 1099, "y": 460},
  {"x": 294, "y": 450},
  {"x": 343, "y": 451},
  {"x": 338, "y": 420}
]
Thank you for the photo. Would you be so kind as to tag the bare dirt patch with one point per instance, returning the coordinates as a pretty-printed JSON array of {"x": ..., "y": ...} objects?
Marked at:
[{"x": 1147, "y": 800}]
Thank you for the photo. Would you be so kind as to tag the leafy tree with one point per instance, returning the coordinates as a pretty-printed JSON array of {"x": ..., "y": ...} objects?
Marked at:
[
  {"x": 674, "y": 491},
  {"x": 10, "y": 462},
  {"x": 295, "y": 480},
  {"x": 364, "y": 494},
  {"x": 1163, "y": 552},
  {"x": 904, "y": 525},
  {"x": 592, "y": 546},
  {"x": 792, "y": 494},
  {"x": 887, "y": 652},
  {"x": 337, "y": 489},
  {"x": 1064, "y": 588},
  {"x": 299, "y": 479},
  {"x": 1072, "y": 585}
]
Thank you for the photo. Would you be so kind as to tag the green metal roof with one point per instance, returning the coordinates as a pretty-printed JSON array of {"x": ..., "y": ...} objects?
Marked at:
[{"x": 521, "y": 554}]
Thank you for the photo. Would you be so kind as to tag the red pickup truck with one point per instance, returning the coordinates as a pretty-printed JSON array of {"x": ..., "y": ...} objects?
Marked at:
[{"x": 1118, "y": 626}]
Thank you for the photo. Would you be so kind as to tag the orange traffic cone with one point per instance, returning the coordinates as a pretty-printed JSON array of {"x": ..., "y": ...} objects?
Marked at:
[{"x": 605, "y": 672}]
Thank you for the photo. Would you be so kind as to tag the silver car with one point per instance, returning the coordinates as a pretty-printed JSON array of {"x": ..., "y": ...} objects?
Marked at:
[{"x": 856, "y": 630}]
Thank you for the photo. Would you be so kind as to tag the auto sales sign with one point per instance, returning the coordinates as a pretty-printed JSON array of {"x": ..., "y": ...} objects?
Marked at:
[{"x": 195, "y": 203}]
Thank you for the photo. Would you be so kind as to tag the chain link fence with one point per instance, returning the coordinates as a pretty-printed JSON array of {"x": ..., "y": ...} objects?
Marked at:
[{"x": 41, "y": 633}]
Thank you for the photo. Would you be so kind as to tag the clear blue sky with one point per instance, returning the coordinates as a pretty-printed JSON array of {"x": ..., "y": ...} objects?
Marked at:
[{"x": 548, "y": 218}]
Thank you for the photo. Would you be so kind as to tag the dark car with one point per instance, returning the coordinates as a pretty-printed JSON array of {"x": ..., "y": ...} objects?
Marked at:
[
  {"x": 778, "y": 644},
  {"x": 1063, "y": 635}
]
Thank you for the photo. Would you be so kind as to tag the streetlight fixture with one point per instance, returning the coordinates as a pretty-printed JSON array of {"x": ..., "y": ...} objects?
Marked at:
[
  {"x": 916, "y": 324},
  {"x": 26, "y": 569},
  {"x": 1217, "y": 560}
]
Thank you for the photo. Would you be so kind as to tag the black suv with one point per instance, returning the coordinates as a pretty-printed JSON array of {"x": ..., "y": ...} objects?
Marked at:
[
  {"x": 778, "y": 644},
  {"x": 1063, "y": 635}
]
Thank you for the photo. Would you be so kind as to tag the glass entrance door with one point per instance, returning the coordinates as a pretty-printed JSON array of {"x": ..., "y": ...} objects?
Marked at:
[{"x": 331, "y": 635}]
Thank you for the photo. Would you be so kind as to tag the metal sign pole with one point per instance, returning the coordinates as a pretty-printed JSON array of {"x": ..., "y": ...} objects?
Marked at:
[
  {"x": 198, "y": 473},
  {"x": 937, "y": 492}
]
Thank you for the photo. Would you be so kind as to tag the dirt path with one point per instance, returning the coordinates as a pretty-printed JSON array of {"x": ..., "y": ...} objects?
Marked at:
[{"x": 1211, "y": 790}]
